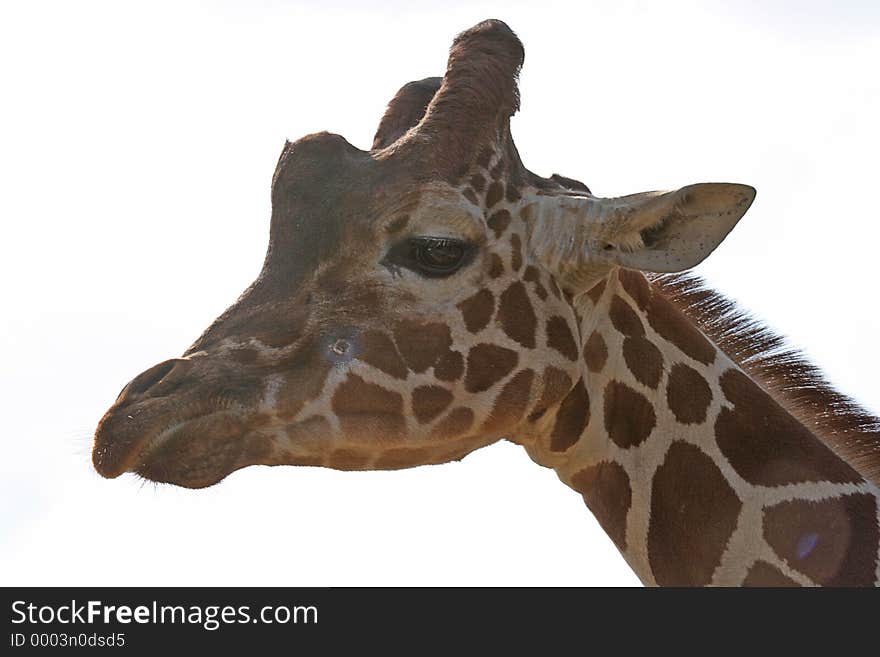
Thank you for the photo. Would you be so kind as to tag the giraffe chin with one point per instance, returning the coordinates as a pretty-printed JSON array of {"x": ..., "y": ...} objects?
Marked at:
[
  {"x": 204, "y": 451},
  {"x": 195, "y": 453}
]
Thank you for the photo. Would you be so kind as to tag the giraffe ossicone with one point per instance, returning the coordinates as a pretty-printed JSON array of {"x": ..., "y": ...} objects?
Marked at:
[{"x": 433, "y": 296}]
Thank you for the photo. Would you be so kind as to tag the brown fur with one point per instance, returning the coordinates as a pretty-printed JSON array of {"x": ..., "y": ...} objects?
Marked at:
[
  {"x": 450, "y": 367},
  {"x": 629, "y": 416},
  {"x": 556, "y": 385},
  {"x": 496, "y": 267},
  {"x": 644, "y": 360},
  {"x": 606, "y": 491},
  {"x": 487, "y": 364},
  {"x": 690, "y": 524},
  {"x": 495, "y": 193},
  {"x": 784, "y": 372},
  {"x": 511, "y": 403},
  {"x": 456, "y": 423},
  {"x": 405, "y": 110},
  {"x": 687, "y": 394},
  {"x": 572, "y": 418},
  {"x": 478, "y": 95},
  {"x": 624, "y": 318},
  {"x": 844, "y": 533},
  {"x": 595, "y": 352},
  {"x": 516, "y": 315},
  {"x": 595, "y": 292},
  {"x": 476, "y": 311},
  {"x": 515, "y": 252},
  {"x": 560, "y": 338},
  {"x": 429, "y": 401},
  {"x": 499, "y": 222}
]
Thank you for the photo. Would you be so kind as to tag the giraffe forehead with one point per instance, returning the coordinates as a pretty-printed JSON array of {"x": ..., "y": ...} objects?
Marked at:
[
  {"x": 333, "y": 204},
  {"x": 442, "y": 210}
]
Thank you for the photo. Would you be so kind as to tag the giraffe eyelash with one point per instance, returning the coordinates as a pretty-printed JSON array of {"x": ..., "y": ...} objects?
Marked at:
[{"x": 430, "y": 256}]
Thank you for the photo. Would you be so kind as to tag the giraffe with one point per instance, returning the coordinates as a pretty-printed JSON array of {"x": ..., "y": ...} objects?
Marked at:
[{"x": 432, "y": 296}]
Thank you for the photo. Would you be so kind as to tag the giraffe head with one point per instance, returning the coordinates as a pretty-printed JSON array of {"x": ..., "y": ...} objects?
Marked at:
[{"x": 417, "y": 301}]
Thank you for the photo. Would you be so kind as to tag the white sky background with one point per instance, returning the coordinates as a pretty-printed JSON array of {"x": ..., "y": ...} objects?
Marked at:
[{"x": 137, "y": 144}]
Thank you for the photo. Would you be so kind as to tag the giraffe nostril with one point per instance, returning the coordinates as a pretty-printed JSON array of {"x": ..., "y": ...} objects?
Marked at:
[{"x": 147, "y": 379}]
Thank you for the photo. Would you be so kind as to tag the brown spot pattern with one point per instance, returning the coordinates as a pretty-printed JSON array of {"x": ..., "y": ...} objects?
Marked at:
[
  {"x": 511, "y": 403},
  {"x": 766, "y": 445},
  {"x": 496, "y": 266},
  {"x": 516, "y": 315},
  {"x": 495, "y": 193},
  {"x": 531, "y": 275},
  {"x": 595, "y": 352},
  {"x": 456, "y": 423},
  {"x": 559, "y": 337},
  {"x": 571, "y": 419},
  {"x": 348, "y": 459},
  {"x": 606, "y": 491},
  {"x": 478, "y": 182},
  {"x": 693, "y": 513},
  {"x": 476, "y": 311},
  {"x": 629, "y": 416},
  {"x": 293, "y": 395},
  {"x": 515, "y": 252},
  {"x": 429, "y": 401},
  {"x": 422, "y": 344},
  {"x": 379, "y": 351},
  {"x": 624, "y": 318},
  {"x": 470, "y": 196},
  {"x": 763, "y": 574},
  {"x": 556, "y": 385},
  {"x": 513, "y": 194},
  {"x": 636, "y": 286},
  {"x": 486, "y": 365},
  {"x": 450, "y": 367},
  {"x": 595, "y": 292},
  {"x": 644, "y": 360},
  {"x": 499, "y": 222},
  {"x": 311, "y": 427},
  {"x": 554, "y": 288},
  {"x": 688, "y": 394},
  {"x": 368, "y": 409},
  {"x": 401, "y": 457},
  {"x": 484, "y": 157},
  {"x": 670, "y": 323},
  {"x": 257, "y": 449},
  {"x": 833, "y": 542}
]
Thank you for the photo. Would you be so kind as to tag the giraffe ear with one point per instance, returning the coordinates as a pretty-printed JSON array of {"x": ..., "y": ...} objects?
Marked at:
[
  {"x": 580, "y": 237},
  {"x": 405, "y": 110},
  {"x": 674, "y": 231}
]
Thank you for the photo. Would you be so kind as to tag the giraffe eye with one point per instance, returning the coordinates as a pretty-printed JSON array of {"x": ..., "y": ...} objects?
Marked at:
[
  {"x": 432, "y": 257},
  {"x": 438, "y": 257}
]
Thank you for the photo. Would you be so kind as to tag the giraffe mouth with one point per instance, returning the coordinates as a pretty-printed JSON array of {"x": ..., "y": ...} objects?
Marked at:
[
  {"x": 145, "y": 439},
  {"x": 122, "y": 437},
  {"x": 182, "y": 455}
]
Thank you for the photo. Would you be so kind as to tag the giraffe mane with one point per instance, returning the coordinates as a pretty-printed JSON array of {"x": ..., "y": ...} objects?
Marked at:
[{"x": 782, "y": 370}]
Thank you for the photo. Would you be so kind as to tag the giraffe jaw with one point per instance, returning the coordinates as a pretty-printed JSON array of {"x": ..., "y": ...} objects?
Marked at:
[
  {"x": 194, "y": 450},
  {"x": 182, "y": 455},
  {"x": 198, "y": 447}
]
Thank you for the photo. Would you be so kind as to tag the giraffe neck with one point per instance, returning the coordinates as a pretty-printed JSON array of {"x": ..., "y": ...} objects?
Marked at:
[{"x": 698, "y": 474}]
